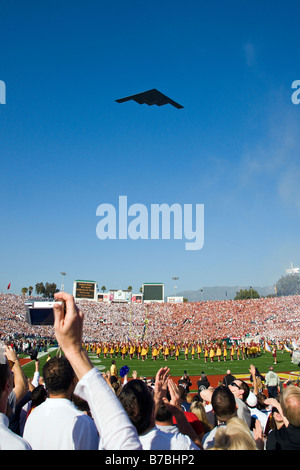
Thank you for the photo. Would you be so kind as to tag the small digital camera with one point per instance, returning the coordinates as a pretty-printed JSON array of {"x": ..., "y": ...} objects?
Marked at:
[{"x": 40, "y": 312}]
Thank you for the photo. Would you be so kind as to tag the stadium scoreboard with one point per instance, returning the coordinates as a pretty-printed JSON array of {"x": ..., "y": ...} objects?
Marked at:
[
  {"x": 119, "y": 295},
  {"x": 153, "y": 292},
  {"x": 137, "y": 298},
  {"x": 85, "y": 290}
]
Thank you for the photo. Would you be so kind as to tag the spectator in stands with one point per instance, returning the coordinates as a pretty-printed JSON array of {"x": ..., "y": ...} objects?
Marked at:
[
  {"x": 24, "y": 406},
  {"x": 272, "y": 383},
  {"x": 287, "y": 437},
  {"x": 224, "y": 407},
  {"x": 185, "y": 381},
  {"x": 198, "y": 409},
  {"x": 38, "y": 395},
  {"x": 255, "y": 376},
  {"x": 113, "y": 372},
  {"x": 275, "y": 319},
  {"x": 241, "y": 390},
  {"x": 116, "y": 431},
  {"x": 20, "y": 388},
  {"x": 164, "y": 422},
  {"x": 256, "y": 413},
  {"x": 56, "y": 424},
  {"x": 203, "y": 383},
  {"x": 276, "y": 418},
  {"x": 137, "y": 400},
  {"x": 8, "y": 439},
  {"x": 236, "y": 436},
  {"x": 228, "y": 378},
  {"x": 261, "y": 402},
  {"x": 142, "y": 406},
  {"x": 185, "y": 402}
]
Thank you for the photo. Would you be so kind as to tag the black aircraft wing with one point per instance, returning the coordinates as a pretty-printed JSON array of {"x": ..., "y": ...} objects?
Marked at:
[{"x": 151, "y": 97}]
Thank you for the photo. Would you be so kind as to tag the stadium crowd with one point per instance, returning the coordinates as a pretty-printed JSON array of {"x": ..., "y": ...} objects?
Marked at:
[
  {"x": 274, "y": 319},
  {"x": 137, "y": 415}
]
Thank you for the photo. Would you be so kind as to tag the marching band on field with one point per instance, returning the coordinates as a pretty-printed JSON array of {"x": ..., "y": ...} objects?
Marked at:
[{"x": 210, "y": 351}]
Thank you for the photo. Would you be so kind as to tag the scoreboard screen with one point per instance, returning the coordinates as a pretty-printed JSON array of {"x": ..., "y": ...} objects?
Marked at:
[
  {"x": 137, "y": 298},
  {"x": 85, "y": 290},
  {"x": 153, "y": 292}
]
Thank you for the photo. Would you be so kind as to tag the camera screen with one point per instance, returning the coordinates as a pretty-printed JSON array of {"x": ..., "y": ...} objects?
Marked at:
[{"x": 41, "y": 316}]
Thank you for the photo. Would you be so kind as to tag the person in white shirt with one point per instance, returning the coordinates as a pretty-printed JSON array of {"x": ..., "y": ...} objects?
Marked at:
[
  {"x": 56, "y": 424},
  {"x": 113, "y": 425},
  {"x": 8, "y": 439},
  {"x": 164, "y": 422},
  {"x": 251, "y": 402},
  {"x": 224, "y": 406}
]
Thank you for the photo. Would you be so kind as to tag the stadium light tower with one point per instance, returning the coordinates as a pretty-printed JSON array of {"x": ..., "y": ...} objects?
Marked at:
[
  {"x": 62, "y": 281},
  {"x": 175, "y": 278}
]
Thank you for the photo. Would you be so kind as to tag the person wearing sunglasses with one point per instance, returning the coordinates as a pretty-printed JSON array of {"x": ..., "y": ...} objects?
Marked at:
[{"x": 241, "y": 390}]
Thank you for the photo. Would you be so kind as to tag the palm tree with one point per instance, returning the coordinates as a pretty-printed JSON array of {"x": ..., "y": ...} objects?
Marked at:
[
  {"x": 129, "y": 288},
  {"x": 103, "y": 288},
  {"x": 24, "y": 291},
  {"x": 30, "y": 289}
]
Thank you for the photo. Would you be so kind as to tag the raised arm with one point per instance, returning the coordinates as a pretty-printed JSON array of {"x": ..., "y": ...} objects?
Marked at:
[
  {"x": 160, "y": 386},
  {"x": 68, "y": 326},
  {"x": 253, "y": 374},
  {"x": 182, "y": 423},
  {"x": 20, "y": 379},
  {"x": 275, "y": 404},
  {"x": 115, "y": 429}
]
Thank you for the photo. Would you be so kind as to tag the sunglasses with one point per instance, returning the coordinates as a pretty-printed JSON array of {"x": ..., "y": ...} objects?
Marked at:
[{"x": 233, "y": 384}]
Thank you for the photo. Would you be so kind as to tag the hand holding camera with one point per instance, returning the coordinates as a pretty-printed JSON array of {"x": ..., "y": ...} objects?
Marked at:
[
  {"x": 40, "y": 311},
  {"x": 68, "y": 325}
]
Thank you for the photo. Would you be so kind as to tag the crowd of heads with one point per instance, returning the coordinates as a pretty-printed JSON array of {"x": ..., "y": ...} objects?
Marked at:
[{"x": 162, "y": 414}]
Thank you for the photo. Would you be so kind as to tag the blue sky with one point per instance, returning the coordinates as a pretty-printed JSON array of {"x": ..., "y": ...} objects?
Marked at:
[{"x": 66, "y": 146}]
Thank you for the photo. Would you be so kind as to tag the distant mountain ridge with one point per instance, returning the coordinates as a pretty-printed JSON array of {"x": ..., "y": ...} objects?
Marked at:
[{"x": 220, "y": 292}]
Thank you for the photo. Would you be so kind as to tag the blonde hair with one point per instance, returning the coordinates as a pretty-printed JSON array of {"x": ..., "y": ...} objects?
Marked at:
[
  {"x": 198, "y": 409},
  {"x": 259, "y": 384},
  {"x": 290, "y": 403},
  {"x": 236, "y": 435}
]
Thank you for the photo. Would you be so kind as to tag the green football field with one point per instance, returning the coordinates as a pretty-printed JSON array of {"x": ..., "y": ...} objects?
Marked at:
[
  {"x": 148, "y": 368},
  {"x": 195, "y": 367}
]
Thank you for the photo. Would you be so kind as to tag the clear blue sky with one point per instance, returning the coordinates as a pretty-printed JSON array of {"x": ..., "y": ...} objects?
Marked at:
[{"x": 66, "y": 146}]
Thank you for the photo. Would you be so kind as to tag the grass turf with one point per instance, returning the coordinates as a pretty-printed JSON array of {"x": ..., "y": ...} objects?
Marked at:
[{"x": 148, "y": 368}]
